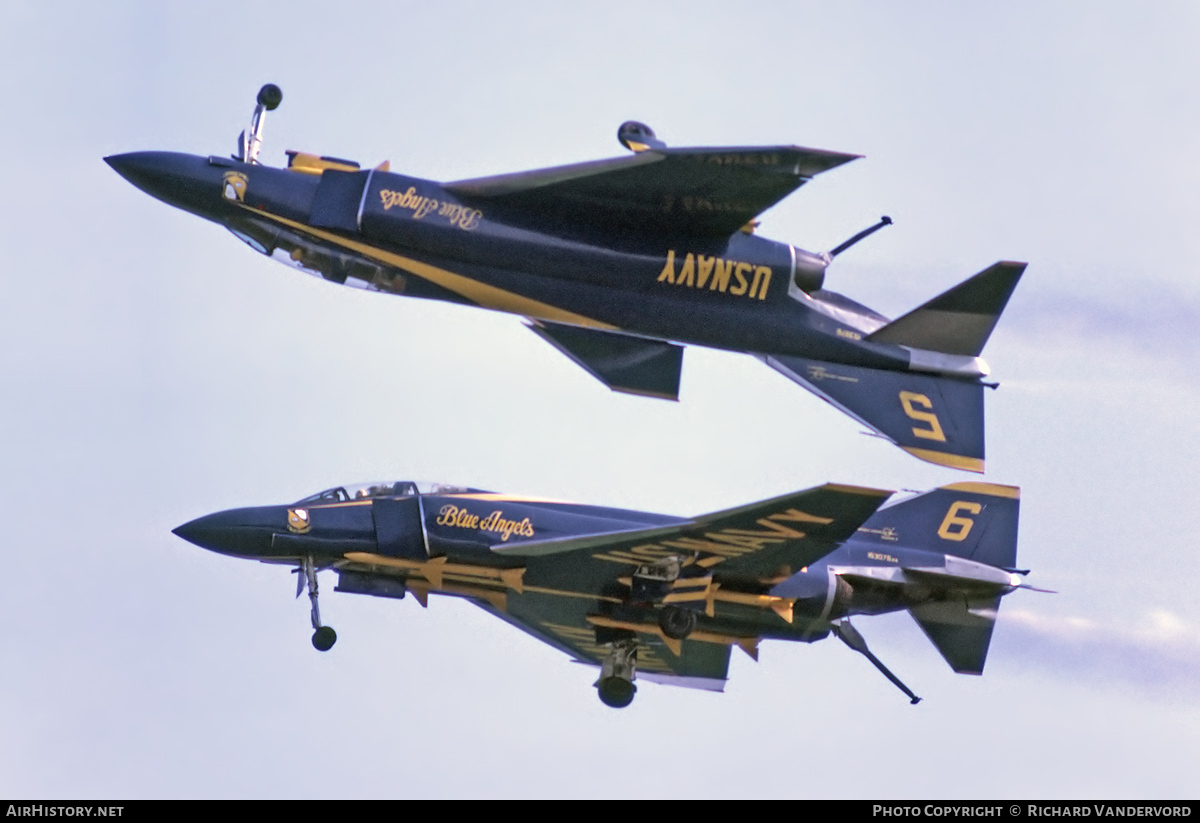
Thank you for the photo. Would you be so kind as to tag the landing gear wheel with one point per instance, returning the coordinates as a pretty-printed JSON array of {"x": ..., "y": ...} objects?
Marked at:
[
  {"x": 616, "y": 692},
  {"x": 676, "y": 623},
  {"x": 324, "y": 638}
]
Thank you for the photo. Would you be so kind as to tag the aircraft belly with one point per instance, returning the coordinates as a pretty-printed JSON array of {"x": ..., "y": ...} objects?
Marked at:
[{"x": 584, "y": 289}]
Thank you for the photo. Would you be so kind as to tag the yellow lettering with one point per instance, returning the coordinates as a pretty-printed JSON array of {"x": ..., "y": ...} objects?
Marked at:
[
  {"x": 706, "y": 267},
  {"x": 668, "y": 272},
  {"x": 957, "y": 528},
  {"x": 450, "y": 515},
  {"x": 667, "y": 275},
  {"x": 446, "y": 515},
  {"x": 700, "y": 270},
  {"x": 797, "y": 516},
  {"x": 750, "y": 543},
  {"x": 740, "y": 273},
  {"x": 934, "y": 432},
  {"x": 693, "y": 544},
  {"x": 773, "y": 530},
  {"x": 721, "y": 278},
  {"x": 762, "y": 280},
  {"x": 687, "y": 275}
]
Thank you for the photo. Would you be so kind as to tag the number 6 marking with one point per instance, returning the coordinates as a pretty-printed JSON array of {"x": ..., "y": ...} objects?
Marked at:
[
  {"x": 908, "y": 399},
  {"x": 955, "y": 527}
]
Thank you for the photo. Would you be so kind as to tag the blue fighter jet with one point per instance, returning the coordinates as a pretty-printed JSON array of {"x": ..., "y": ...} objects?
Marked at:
[
  {"x": 618, "y": 263},
  {"x": 648, "y": 596}
]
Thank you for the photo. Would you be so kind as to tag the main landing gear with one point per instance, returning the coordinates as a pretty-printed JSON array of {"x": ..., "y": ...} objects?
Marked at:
[
  {"x": 615, "y": 685},
  {"x": 676, "y": 623},
  {"x": 323, "y": 636}
]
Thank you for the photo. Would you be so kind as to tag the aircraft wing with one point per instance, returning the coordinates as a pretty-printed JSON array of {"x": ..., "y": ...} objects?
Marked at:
[
  {"x": 793, "y": 530},
  {"x": 573, "y": 592},
  {"x": 571, "y": 625},
  {"x": 697, "y": 191}
]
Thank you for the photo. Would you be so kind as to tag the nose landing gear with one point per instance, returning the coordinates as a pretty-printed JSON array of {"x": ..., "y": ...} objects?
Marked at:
[{"x": 323, "y": 636}]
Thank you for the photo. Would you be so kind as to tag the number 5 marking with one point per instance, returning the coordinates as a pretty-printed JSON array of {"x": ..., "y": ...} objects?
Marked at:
[
  {"x": 955, "y": 527},
  {"x": 910, "y": 399}
]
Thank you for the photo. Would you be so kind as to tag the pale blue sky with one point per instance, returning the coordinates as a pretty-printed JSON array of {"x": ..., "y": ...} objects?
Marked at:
[{"x": 155, "y": 370}]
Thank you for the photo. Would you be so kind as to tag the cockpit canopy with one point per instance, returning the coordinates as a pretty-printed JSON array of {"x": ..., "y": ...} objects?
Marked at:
[{"x": 400, "y": 488}]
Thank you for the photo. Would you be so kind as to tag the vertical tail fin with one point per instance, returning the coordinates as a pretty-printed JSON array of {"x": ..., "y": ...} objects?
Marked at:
[
  {"x": 936, "y": 419},
  {"x": 959, "y": 321},
  {"x": 934, "y": 410},
  {"x": 976, "y": 521}
]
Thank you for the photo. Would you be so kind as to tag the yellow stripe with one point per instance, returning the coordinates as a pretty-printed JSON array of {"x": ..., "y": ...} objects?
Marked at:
[
  {"x": 863, "y": 490},
  {"x": 489, "y": 297},
  {"x": 993, "y": 489},
  {"x": 580, "y": 595},
  {"x": 505, "y": 498},
  {"x": 954, "y": 461}
]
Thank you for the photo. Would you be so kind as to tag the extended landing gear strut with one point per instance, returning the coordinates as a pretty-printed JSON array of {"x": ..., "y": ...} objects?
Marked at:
[
  {"x": 854, "y": 640},
  {"x": 323, "y": 636},
  {"x": 615, "y": 685}
]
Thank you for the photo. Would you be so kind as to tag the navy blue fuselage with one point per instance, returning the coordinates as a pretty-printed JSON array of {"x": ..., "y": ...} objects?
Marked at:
[{"x": 411, "y": 236}]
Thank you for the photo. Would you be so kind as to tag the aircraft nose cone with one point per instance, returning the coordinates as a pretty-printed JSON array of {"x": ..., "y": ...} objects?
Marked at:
[
  {"x": 182, "y": 180},
  {"x": 240, "y": 532},
  {"x": 144, "y": 169}
]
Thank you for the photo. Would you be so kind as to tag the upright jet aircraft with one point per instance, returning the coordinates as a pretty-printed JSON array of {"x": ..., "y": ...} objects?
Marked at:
[
  {"x": 651, "y": 596},
  {"x": 617, "y": 263}
]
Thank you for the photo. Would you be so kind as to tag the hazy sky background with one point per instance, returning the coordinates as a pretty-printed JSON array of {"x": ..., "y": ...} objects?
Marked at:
[{"x": 155, "y": 369}]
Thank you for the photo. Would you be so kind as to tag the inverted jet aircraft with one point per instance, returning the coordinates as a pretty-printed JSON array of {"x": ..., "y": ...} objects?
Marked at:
[
  {"x": 617, "y": 263},
  {"x": 649, "y": 596}
]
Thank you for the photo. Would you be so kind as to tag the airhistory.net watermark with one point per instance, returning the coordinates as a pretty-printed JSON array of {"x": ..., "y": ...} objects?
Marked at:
[{"x": 46, "y": 810}]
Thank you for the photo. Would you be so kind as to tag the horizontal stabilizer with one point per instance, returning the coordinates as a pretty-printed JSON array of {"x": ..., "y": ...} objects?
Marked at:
[
  {"x": 961, "y": 629},
  {"x": 622, "y": 362},
  {"x": 937, "y": 419},
  {"x": 960, "y": 320}
]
